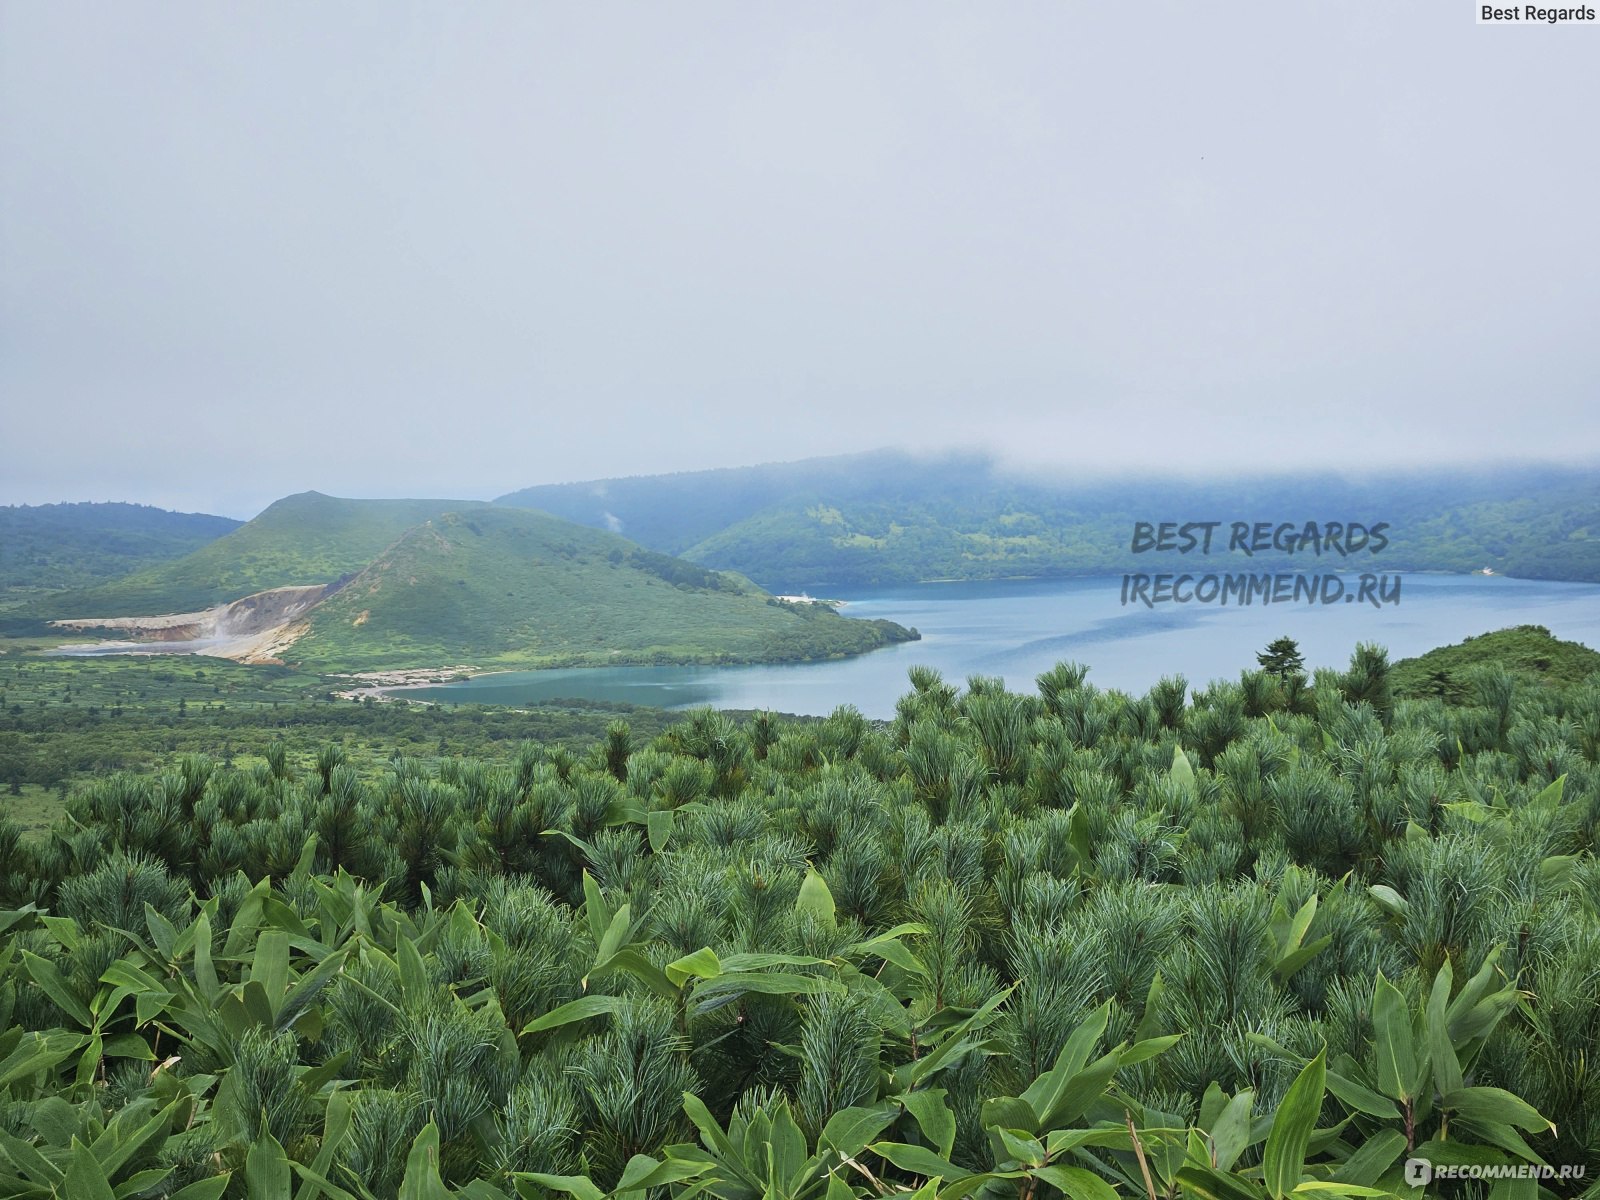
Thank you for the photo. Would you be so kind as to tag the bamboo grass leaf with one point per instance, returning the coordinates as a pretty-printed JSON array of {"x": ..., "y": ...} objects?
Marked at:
[
  {"x": 850, "y": 1129},
  {"x": 1393, "y": 1042},
  {"x": 582, "y": 1009},
  {"x": 1283, "y": 1162},
  {"x": 815, "y": 900},
  {"x": 85, "y": 1178},
  {"x": 266, "y": 1170},
  {"x": 933, "y": 1117},
  {"x": 1077, "y": 1183}
]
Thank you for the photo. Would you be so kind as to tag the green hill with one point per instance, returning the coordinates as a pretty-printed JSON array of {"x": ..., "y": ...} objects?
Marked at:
[
  {"x": 51, "y": 547},
  {"x": 1527, "y": 651},
  {"x": 302, "y": 539},
  {"x": 504, "y": 587}
]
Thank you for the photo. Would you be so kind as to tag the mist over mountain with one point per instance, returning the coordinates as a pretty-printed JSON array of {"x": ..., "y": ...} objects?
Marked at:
[{"x": 890, "y": 516}]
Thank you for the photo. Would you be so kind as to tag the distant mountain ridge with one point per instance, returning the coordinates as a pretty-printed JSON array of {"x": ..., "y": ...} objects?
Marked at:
[
  {"x": 78, "y": 545},
  {"x": 674, "y": 512},
  {"x": 889, "y": 517}
]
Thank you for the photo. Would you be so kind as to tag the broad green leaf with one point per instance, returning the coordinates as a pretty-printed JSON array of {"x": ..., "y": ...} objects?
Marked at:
[
  {"x": 1024, "y": 1150},
  {"x": 786, "y": 1149},
  {"x": 205, "y": 973},
  {"x": 1550, "y": 798},
  {"x": 339, "y": 1114},
  {"x": 1283, "y": 1162},
  {"x": 1446, "y": 1066},
  {"x": 760, "y": 962},
  {"x": 1393, "y": 1041},
  {"x": 422, "y": 1181},
  {"x": 205, "y": 1189},
  {"x": 1197, "y": 1179},
  {"x": 1044, "y": 1093},
  {"x": 850, "y": 1129},
  {"x": 616, "y": 935},
  {"x": 63, "y": 929},
  {"x": 118, "y": 1145},
  {"x": 644, "y": 1172},
  {"x": 1484, "y": 1106},
  {"x": 1556, "y": 870},
  {"x": 1148, "y": 1048},
  {"x": 1391, "y": 901},
  {"x": 85, "y": 1178},
  {"x": 1009, "y": 1112},
  {"x": 1326, "y": 1187},
  {"x": 581, "y": 1009},
  {"x": 815, "y": 899},
  {"x": 933, "y": 1117},
  {"x": 308, "y": 987},
  {"x": 730, "y": 985},
  {"x": 917, "y": 1159},
  {"x": 50, "y": 980},
  {"x": 414, "y": 980},
  {"x": 270, "y": 965},
  {"x": 1077, "y": 1183},
  {"x": 35, "y": 1052},
  {"x": 1182, "y": 774},
  {"x": 1372, "y": 1158},
  {"x": 1150, "y": 1019},
  {"x": 579, "y": 1186},
  {"x": 266, "y": 1171},
  {"x": 658, "y": 828},
  {"x": 702, "y": 964},
  {"x": 1293, "y": 961},
  {"x": 1359, "y": 1098},
  {"x": 641, "y": 968},
  {"x": 1230, "y": 1132},
  {"x": 712, "y": 1134},
  {"x": 595, "y": 909},
  {"x": 1082, "y": 1090}
]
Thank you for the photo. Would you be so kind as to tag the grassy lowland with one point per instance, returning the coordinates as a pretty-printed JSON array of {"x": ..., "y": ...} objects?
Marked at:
[{"x": 500, "y": 587}]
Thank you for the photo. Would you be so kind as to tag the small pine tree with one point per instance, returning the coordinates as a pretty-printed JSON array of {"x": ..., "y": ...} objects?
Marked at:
[{"x": 1282, "y": 658}]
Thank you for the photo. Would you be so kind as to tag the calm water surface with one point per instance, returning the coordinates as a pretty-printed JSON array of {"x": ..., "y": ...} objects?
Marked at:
[{"x": 1018, "y": 630}]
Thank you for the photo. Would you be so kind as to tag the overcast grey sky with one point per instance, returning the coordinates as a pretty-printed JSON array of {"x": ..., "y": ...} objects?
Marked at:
[{"x": 456, "y": 249}]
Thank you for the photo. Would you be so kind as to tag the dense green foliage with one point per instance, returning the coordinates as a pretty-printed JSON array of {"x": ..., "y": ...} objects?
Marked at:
[
  {"x": 55, "y": 546},
  {"x": 63, "y": 721},
  {"x": 503, "y": 587},
  {"x": 1529, "y": 652},
  {"x": 1253, "y": 942},
  {"x": 893, "y": 518}
]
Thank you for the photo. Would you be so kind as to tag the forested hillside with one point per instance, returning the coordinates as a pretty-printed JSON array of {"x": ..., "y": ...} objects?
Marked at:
[
  {"x": 502, "y": 587},
  {"x": 425, "y": 584},
  {"x": 56, "y": 546},
  {"x": 891, "y": 517},
  {"x": 1271, "y": 938}
]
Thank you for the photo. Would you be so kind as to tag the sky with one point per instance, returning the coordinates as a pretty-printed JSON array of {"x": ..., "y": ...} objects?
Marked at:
[{"x": 388, "y": 249}]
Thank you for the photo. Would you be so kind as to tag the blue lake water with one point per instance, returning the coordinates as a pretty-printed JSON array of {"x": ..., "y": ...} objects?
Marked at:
[{"x": 1018, "y": 630}]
